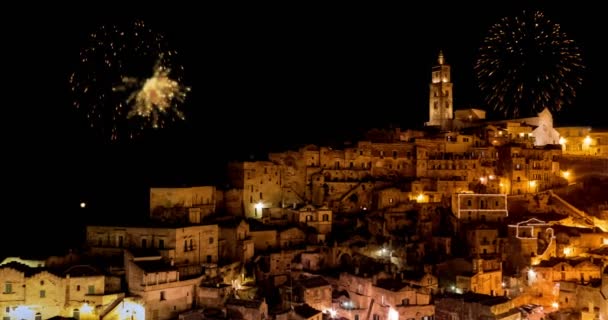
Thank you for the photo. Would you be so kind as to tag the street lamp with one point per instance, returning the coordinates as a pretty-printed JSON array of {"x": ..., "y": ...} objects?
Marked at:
[
  {"x": 258, "y": 207},
  {"x": 532, "y": 184}
]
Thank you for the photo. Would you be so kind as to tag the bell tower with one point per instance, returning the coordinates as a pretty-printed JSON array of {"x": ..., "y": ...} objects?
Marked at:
[{"x": 440, "y": 95}]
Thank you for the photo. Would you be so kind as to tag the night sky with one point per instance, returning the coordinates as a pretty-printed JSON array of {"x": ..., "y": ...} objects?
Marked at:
[{"x": 263, "y": 78}]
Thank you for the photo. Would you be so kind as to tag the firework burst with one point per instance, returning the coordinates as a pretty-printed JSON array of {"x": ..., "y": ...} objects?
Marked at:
[
  {"x": 526, "y": 63},
  {"x": 127, "y": 81}
]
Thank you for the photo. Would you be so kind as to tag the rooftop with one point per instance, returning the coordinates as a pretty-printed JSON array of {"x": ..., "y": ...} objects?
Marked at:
[
  {"x": 252, "y": 304},
  {"x": 306, "y": 311}
]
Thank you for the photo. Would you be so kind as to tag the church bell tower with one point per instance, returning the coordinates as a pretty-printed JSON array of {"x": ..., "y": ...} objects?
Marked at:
[{"x": 440, "y": 95}]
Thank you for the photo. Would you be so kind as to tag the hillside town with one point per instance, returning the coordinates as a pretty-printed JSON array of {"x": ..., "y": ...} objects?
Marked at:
[{"x": 462, "y": 218}]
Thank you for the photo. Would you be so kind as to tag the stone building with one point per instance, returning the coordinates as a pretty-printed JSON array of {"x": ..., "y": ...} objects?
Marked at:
[
  {"x": 475, "y": 306},
  {"x": 80, "y": 291},
  {"x": 384, "y": 296},
  {"x": 474, "y": 207},
  {"x": 183, "y": 246},
  {"x": 236, "y": 243},
  {"x": 441, "y": 97},
  {"x": 584, "y": 141},
  {"x": 184, "y": 204}
]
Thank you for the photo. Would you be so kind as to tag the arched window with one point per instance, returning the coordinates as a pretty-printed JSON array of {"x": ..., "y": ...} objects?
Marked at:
[
  {"x": 38, "y": 316},
  {"x": 76, "y": 314}
]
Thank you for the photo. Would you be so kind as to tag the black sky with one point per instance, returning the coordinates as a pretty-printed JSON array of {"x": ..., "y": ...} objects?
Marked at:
[{"x": 263, "y": 78}]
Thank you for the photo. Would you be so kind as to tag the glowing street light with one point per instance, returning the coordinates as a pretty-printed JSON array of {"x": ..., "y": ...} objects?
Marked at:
[
  {"x": 258, "y": 207},
  {"x": 420, "y": 198},
  {"x": 393, "y": 314},
  {"x": 587, "y": 140}
]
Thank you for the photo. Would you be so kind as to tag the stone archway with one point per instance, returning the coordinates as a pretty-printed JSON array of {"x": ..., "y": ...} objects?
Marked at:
[{"x": 345, "y": 261}]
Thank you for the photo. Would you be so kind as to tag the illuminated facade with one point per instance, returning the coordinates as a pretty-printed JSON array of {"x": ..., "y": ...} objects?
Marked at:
[
  {"x": 584, "y": 141},
  {"x": 188, "y": 245},
  {"x": 384, "y": 296},
  {"x": 36, "y": 293},
  {"x": 475, "y": 306},
  {"x": 440, "y": 98},
  {"x": 183, "y": 204}
]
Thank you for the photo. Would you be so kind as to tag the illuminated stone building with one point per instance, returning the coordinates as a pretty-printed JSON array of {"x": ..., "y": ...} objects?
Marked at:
[
  {"x": 183, "y": 246},
  {"x": 475, "y": 306},
  {"x": 474, "y": 207},
  {"x": 314, "y": 291},
  {"x": 80, "y": 291},
  {"x": 236, "y": 243},
  {"x": 441, "y": 98},
  {"x": 164, "y": 291},
  {"x": 584, "y": 141},
  {"x": 384, "y": 296},
  {"x": 545, "y": 279},
  {"x": 246, "y": 309},
  {"x": 185, "y": 205}
]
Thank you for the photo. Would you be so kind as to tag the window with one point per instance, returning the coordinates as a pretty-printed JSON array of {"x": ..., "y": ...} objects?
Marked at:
[
  {"x": 210, "y": 240},
  {"x": 100, "y": 242},
  {"x": 76, "y": 314},
  {"x": 42, "y": 293},
  {"x": 120, "y": 241},
  {"x": 38, "y": 316},
  {"x": 325, "y": 217},
  {"x": 161, "y": 243},
  {"x": 191, "y": 245},
  {"x": 78, "y": 287},
  {"x": 91, "y": 290},
  {"x": 208, "y": 258},
  {"x": 261, "y": 196},
  {"x": 394, "y": 154},
  {"x": 185, "y": 245},
  {"x": 162, "y": 296},
  {"x": 8, "y": 287}
]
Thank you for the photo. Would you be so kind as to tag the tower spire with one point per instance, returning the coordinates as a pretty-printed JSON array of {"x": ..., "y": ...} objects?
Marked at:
[{"x": 440, "y": 95}]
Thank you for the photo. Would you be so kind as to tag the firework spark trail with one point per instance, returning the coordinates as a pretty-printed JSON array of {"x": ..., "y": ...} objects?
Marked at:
[
  {"x": 526, "y": 63},
  {"x": 157, "y": 96},
  {"x": 127, "y": 80}
]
